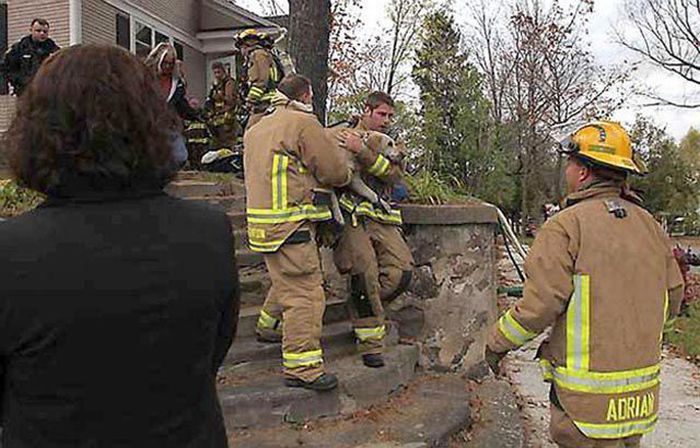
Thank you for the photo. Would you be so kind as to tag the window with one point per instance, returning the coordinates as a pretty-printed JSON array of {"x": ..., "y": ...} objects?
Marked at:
[
  {"x": 145, "y": 37},
  {"x": 123, "y": 31},
  {"x": 144, "y": 40},
  {"x": 160, "y": 37},
  {"x": 179, "y": 50},
  {"x": 3, "y": 27}
]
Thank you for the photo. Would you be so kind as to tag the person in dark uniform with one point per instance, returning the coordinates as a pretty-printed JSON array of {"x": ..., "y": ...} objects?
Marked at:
[{"x": 23, "y": 59}]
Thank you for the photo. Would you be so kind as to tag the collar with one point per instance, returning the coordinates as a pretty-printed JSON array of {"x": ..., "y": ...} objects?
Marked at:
[
  {"x": 280, "y": 100},
  {"x": 88, "y": 197},
  {"x": 602, "y": 189}
]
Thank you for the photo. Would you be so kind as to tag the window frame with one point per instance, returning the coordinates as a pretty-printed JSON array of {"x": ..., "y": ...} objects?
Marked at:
[{"x": 155, "y": 32}]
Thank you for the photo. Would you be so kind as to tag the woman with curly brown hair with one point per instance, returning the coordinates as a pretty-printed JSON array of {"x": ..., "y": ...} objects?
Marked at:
[{"x": 118, "y": 303}]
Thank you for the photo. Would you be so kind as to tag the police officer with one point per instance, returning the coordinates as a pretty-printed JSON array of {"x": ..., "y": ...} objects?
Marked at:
[
  {"x": 223, "y": 104},
  {"x": 264, "y": 72},
  {"x": 372, "y": 249},
  {"x": 287, "y": 156},
  {"x": 601, "y": 272},
  {"x": 23, "y": 59}
]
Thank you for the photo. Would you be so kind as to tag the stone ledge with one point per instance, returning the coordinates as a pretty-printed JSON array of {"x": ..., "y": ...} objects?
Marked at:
[{"x": 442, "y": 215}]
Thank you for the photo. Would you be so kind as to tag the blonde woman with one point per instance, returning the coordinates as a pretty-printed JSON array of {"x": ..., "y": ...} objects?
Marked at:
[{"x": 168, "y": 70}]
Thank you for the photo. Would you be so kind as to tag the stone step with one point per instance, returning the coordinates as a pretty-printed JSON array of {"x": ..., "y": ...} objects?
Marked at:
[
  {"x": 335, "y": 336},
  {"x": 499, "y": 423},
  {"x": 240, "y": 237},
  {"x": 223, "y": 203},
  {"x": 264, "y": 401},
  {"x": 246, "y": 257},
  {"x": 336, "y": 311},
  {"x": 426, "y": 413},
  {"x": 193, "y": 188},
  {"x": 238, "y": 220}
]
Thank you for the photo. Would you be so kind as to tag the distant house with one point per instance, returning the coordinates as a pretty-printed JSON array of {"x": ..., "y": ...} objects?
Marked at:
[{"x": 202, "y": 31}]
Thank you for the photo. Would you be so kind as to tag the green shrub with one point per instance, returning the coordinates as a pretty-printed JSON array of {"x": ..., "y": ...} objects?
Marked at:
[
  {"x": 15, "y": 200},
  {"x": 427, "y": 188},
  {"x": 683, "y": 332}
]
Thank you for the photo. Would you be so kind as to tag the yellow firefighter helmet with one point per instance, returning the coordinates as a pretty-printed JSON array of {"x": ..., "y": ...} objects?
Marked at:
[
  {"x": 250, "y": 34},
  {"x": 604, "y": 143}
]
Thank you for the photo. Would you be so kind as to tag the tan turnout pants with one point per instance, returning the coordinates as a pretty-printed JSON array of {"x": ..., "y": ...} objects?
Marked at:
[
  {"x": 297, "y": 294},
  {"x": 565, "y": 434},
  {"x": 379, "y": 263}
]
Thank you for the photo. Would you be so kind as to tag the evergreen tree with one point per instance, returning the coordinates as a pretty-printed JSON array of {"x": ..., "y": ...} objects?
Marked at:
[{"x": 456, "y": 132}]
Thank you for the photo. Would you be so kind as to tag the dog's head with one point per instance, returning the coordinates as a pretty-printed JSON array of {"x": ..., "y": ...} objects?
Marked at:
[{"x": 385, "y": 145}]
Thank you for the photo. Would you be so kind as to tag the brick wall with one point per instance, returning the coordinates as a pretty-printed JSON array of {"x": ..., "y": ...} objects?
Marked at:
[{"x": 19, "y": 16}]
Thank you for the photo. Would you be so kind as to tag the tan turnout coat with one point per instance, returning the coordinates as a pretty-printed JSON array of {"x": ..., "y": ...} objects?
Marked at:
[
  {"x": 602, "y": 273},
  {"x": 287, "y": 155}
]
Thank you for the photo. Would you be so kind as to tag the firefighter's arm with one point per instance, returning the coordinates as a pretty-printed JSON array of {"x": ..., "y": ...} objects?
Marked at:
[
  {"x": 549, "y": 269},
  {"x": 230, "y": 94},
  {"x": 322, "y": 155},
  {"x": 258, "y": 75},
  {"x": 675, "y": 285}
]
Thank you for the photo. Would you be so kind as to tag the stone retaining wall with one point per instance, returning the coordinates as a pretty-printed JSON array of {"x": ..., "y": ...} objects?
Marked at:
[{"x": 452, "y": 299}]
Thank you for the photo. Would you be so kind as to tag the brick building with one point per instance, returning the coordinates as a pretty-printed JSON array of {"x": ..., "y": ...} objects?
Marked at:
[{"x": 202, "y": 31}]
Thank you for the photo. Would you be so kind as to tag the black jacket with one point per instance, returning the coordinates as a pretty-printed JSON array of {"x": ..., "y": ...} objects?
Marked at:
[
  {"x": 178, "y": 101},
  {"x": 114, "y": 318},
  {"x": 23, "y": 59}
]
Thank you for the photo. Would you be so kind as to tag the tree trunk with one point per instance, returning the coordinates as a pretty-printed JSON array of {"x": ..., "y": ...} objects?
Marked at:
[{"x": 309, "y": 31}]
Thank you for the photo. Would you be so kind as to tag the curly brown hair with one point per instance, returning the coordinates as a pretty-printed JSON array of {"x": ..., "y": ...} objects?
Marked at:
[{"x": 92, "y": 120}]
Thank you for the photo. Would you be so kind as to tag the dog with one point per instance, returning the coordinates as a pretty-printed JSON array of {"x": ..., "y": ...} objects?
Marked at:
[{"x": 377, "y": 143}]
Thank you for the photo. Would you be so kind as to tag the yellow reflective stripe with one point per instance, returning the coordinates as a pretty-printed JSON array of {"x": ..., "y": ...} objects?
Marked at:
[
  {"x": 578, "y": 325},
  {"x": 199, "y": 141},
  {"x": 291, "y": 214},
  {"x": 380, "y": 167},
  {"x": 513, "y": 331},
  {"x": 616, "y": 430},
  {"x": 265, "y": 321},
  {"x": 280, "y": 164},
  {"x": 294, "y": 360},
  {"x": 368, "y": 334},
  {"x": 273, "y": 73},
  {"x": 367, "y": 209},
  {"x": 607, "y": 382},
  {"x": 547, "y": 370},
  {"x": 255, "y": 92}
]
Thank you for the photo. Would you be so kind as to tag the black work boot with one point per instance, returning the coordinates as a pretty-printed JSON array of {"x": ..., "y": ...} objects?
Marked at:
[
  {"x": 327, "y": 381},
  {"x": 374, "y": 360}
]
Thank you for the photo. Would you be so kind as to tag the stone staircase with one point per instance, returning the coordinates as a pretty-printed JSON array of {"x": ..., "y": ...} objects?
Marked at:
[{"x": 252, "y": 394}]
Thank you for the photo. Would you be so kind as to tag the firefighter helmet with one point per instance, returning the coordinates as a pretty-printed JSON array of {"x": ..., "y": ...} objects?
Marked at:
[
  {"x": 604, "y": 143},
  {"x": 250, "y": 35}
]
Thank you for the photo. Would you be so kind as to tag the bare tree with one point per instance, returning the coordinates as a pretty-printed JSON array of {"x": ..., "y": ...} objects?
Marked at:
[
  {"x": 540, "y": 76},
  {"x": 271, "y": 7},
  {"x": 665, "y": 33},
  {"x": 405, "y": 17}
]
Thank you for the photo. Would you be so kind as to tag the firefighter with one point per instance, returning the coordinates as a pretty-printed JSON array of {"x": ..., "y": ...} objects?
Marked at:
[
  {"x": 223, "y": 104},
  {"x": 198, "y": 139},
  {"x": 288, "y": 156},
  {"x": 23, "y": 59},
  {"x": 264, "y": 72},
  {"x": 371, "y": 248},
  {"x": 601, "y": 272}
]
